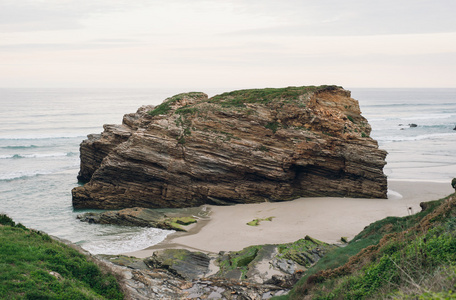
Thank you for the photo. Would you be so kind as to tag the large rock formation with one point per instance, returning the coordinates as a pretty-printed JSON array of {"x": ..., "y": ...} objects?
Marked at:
[{"x": 239, "y": 147}]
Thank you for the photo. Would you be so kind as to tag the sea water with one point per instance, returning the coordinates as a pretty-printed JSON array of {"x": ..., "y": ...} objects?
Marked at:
[
  {"x": 41, "y": 129},
  {"x": 40, "y": 133},
  {"x": 424, "y": 152}
]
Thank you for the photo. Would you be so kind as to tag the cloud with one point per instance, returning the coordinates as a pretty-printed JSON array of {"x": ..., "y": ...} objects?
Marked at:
[
  {"x": 56, "y": 15},
  {"x": 226, "y": 42},
  {"x": 353, "y": 17},
  {"x": 249, "y": 17}
]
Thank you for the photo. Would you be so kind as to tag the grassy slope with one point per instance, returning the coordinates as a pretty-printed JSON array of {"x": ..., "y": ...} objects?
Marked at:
[
  {"x": 412, "y": 257},
  {"x": 30, "y": 261}
]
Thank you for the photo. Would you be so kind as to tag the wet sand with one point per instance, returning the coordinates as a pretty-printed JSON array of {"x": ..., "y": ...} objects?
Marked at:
[{"x": 326, "y": 219}]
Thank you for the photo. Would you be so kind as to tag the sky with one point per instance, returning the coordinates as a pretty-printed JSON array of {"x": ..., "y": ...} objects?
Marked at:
[{"x": 230, "y": 43}]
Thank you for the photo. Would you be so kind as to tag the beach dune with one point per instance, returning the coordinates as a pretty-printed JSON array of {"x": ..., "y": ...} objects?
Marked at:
[{"x": 325, "y": 218}]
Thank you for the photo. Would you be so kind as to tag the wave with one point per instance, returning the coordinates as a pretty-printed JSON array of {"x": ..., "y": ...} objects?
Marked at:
[
  {"x": 414, "y": 138},
  {"x": 44, "y": 155},
  {"x": 393, "y": 195},
  {"x": 414, "y": 104},
  {"x": 415, "y": 117},
  {"x": 124, "y": 243},
  {"x": 41, "y": 137},
  {"x": 20, "y": 147},
  {"x": 22, "y": 175},
  {"x": 430, "y": 117},
  {"x": 29, "y": 174}
]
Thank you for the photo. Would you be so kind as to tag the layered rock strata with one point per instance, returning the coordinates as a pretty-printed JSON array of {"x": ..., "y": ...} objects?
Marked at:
[{"x": 240, "y": 147}]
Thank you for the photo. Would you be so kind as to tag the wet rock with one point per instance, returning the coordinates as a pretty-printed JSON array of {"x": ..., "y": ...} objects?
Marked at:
[
  {"x": 233, "y": 274},
  {"x": 286, "y": 265},
  {"x": 180, "y": 262},
  {"x": 256, "y": 272},
  {"x": 144, "y": 217}
]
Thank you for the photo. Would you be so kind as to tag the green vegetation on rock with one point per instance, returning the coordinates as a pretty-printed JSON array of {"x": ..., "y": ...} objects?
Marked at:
[
  {"x": 34, "y": 266},
  {"x": 176, "y": 223},
  {"x": 165, "y": 107},
  {"x": 184, "y": 220},
  {"x": 238, "y": 261},
  {"x": 256, "y": 222},
  {"x": 162, "y": 109},
  {"x": 413, "y": 257},
  {"x": 273, "y": 126},
  {"x": 242, "y": 97},
  {"x": 302, "y": 251},
  {"x": 188, "y": 109}
]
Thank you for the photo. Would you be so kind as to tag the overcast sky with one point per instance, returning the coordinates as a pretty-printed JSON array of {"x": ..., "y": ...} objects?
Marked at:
[{"x": 229, "y": 43}]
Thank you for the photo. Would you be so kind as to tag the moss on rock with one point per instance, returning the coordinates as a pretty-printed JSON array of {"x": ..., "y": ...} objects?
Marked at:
[{"x": 256, "y": 222}]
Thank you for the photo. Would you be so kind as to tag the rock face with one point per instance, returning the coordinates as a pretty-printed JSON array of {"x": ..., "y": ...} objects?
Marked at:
[
  {"x": 240, "y": 147},
  {"x": 256, "y": 272}
]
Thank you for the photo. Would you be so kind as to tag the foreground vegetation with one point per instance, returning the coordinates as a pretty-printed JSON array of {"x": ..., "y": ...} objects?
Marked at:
[
  {"x": 413, "y": 257},
  {"x": 34, "y": 266}
]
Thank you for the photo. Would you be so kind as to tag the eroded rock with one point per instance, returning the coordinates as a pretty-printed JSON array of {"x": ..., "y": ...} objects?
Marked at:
[
  {"x": 251, "y": 273},
  {"x": 239, "y": 147},
  {"x": 172, "y": 219}
]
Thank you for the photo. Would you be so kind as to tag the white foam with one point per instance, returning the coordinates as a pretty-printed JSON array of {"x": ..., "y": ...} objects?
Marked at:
[
  {"x": 37, "y": 155},
  {"x": 414, "y": 138},
  {"x": 393, "y": 195},
  {"x": 26, "y": 174},
  {"x": 42, "y": 136},
  {"x": 429, "y": 117},
  {"x": 127, "y": 242}
]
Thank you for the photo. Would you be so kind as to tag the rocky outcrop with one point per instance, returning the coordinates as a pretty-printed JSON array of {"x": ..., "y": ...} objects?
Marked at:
[
  {"x": 144, "y": 217},
  {"x": 256, "y": 272},
  {"x": 239, "y": 147}
]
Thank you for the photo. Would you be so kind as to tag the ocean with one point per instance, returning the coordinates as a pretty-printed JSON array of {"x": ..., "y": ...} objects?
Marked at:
[{"x": 41, "y": 129}]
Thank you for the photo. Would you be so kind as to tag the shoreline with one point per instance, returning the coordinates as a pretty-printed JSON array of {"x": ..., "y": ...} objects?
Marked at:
[{"x": 323, "y": 218}]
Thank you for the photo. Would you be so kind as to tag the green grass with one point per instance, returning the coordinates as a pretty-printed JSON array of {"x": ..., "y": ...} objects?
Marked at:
[
  {"x": 187, "y": 110},
  {"x": 407, "y": 264},
  {"x": 28, "y": 257},
  {"x": 400, "y": 262},
  {"x": 165, "y": 107},
  {"x": 242, "y": 97},
  {"x": 162, "y": 109}
]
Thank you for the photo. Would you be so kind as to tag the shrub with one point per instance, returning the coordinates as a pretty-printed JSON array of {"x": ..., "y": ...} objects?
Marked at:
[{"x": 273, "y": 126}]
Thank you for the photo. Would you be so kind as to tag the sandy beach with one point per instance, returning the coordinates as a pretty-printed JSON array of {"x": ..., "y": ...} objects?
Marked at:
[{"x": 327, "y": 219}]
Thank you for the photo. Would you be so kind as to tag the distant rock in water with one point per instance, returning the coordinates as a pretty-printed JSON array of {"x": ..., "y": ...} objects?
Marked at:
[{"x": 239, "y": 147}]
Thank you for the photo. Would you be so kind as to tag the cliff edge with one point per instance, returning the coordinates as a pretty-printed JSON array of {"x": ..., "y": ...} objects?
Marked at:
[{"x": 239, "y": 147}]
